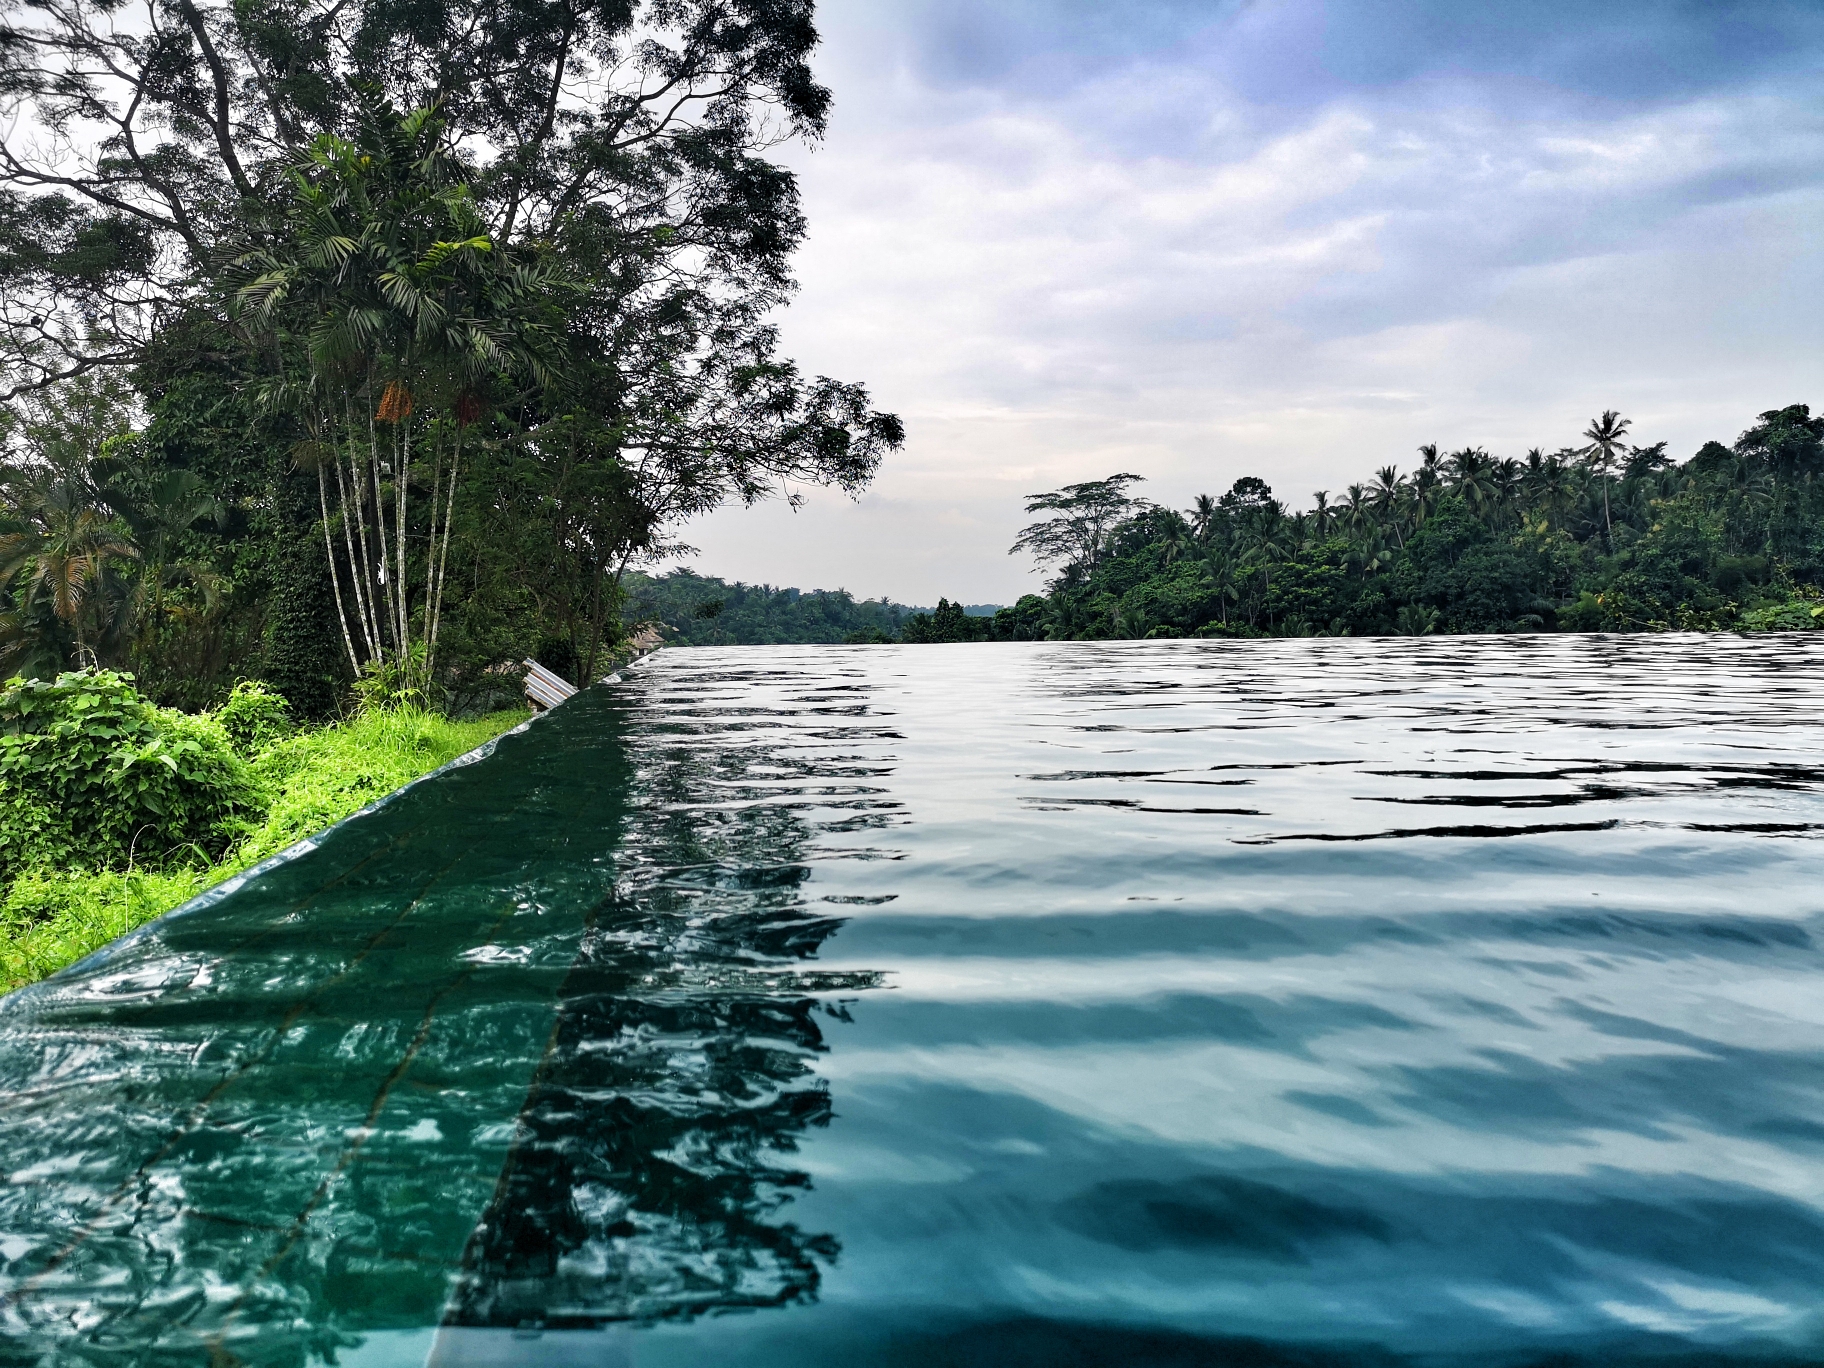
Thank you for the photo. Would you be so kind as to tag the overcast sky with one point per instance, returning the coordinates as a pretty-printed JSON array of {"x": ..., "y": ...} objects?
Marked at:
[{"x": 1296, "y": 239}]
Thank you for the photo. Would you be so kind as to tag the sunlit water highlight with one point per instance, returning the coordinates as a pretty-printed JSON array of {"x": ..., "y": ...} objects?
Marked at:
[{"x": 1448, "y": 1001}]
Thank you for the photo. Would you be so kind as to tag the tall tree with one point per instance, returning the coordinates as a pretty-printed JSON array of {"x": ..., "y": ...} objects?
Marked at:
[
  {"x": 629, "y": 143},
  {"x": 1602, "y": 456},
  {"x": 1085, "y": 514}
]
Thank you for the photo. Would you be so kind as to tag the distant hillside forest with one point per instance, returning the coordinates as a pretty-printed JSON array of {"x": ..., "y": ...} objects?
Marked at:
[
  {"x": 1601, "y": 536},
  {"x": 702, "y": 610}
]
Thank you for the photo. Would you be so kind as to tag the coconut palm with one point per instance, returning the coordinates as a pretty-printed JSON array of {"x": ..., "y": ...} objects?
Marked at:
[
  {"x": 1387, "y": 495},
  {"x": 1203, "y": 515},
  {"x": 1601, "y": 456},
  {"x": 1175, "y": 537},
  {"x": 1423, "y": 489},
  {"x": 1267, "y": 539},
  {"x": 1508, "y": 477},
  {"x": 1223, "y": 577},
  {"x": 1472, "y": 479},
  {"x": 1355, "y": 512}
]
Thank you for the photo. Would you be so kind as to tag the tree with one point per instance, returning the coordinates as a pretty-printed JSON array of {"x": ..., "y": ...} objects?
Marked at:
[
  {"x": 1322, "y": 514},
  {"x": 1386, "y": 495},
  {"x": 1600, "y": 457},
  {"x": 624, "y": 149},
  {"x": 1204, "y": 516},
  {"x": 63, "y": 554},
  {"x": 1086, "y": 514},
  {"x": 383, "y": 296}
]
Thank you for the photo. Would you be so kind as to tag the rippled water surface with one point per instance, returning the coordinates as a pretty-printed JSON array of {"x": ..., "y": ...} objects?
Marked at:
[{"x": 1450, "y": 1001}]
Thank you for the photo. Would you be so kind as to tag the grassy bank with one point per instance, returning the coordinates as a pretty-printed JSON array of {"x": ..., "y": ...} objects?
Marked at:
[{"x": 51, "y": 918}]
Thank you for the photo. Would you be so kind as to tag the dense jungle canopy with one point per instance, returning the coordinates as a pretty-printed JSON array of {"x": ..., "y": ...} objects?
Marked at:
[
  {"x": 1602, "y": 535},
  {"x": 343, "y": 339}
]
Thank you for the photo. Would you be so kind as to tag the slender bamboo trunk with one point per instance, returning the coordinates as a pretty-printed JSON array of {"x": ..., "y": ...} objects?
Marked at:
[
  {"x": 443, "y": 556},
  {"x": 335, "y": 581},
  {"x": 370, "y": 608},
  {"x": 386, "y": 578},
  {"x": 402, "y": 451},
  {"x": 430, "y": 555}
]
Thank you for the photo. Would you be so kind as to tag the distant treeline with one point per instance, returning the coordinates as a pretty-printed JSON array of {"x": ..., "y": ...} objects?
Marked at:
[
  {"x": 702, "y": 610},
  {"x": 1601, "y": 536}
]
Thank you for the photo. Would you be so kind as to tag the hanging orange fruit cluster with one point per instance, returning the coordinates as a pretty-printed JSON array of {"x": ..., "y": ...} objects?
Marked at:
[
  {"x": 468, "y": 409},
  {"x": 395, "y": 403}
]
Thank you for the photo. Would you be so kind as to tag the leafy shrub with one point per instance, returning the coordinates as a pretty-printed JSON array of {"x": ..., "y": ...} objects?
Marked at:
[
  {"x": 93, "y": 776},
  {"x": 1799, "y": 615},
  {"x": 253, "y": 718}
]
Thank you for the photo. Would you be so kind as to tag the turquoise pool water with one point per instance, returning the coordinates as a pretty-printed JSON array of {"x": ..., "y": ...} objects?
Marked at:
[{"x": 1437, "y": 1002}]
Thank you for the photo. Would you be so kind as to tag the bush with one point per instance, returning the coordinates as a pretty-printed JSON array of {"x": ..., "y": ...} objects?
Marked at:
[
  {"x": 1799, "y": 615},
  {"x": 253, "y": 718},
  {"x": 92, "y": 776}
]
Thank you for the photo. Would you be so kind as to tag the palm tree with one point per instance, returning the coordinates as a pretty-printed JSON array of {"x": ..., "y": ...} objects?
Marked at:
[
  {"x": 60, "y": 555},
  {"x": 1266, "y": 539},
  {"x": 1321, "y": 513},
  {"x": 1387, "y": 494},
  {"x": 1219, "y": 571},
  {"x": 1600, "y": 456},
  {"x": 171, "y": 505},
  {"x": 395, "y": 302},
  {"x": 1176, "y": 537},
  {"x": 1472, "y": 478},
  {"x": 1508, "y": 477},
  {"x": 1422, "y": 490},
  {"x": 1203, "y": 515},
  {"x": 1355, "y": 511}
]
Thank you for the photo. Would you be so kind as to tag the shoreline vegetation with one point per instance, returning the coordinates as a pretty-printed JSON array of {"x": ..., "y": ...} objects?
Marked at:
[
  {"x": 1599, "y": 536},
  {"x": 1604, "y": 536},
  {"x": 114, "y": 811}
]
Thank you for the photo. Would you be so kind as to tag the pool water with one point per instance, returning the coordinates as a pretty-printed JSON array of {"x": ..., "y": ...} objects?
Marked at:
[{"x": 1362, "y": 1002}]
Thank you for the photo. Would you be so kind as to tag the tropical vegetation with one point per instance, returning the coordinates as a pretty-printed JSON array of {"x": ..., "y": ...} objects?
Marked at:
[
  {"x": 113, "y": 810},
  {"x": 1601, "y": 535},
  {"x": 350, "y": 340},
  {"x": 704, "y": 610}
]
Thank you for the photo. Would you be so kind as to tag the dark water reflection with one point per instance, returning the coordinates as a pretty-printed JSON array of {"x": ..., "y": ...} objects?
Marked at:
[{"x": 1442, "y": 1002}]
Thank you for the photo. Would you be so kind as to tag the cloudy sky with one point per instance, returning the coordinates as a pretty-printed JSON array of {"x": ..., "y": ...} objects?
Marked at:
[{"x": 1292, "y": 238}]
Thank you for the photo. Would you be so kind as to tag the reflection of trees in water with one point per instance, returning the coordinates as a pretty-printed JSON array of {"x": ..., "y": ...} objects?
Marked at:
[
  {"x": 644, "y": 1182},
  {"x": 270, "y": 1215}
]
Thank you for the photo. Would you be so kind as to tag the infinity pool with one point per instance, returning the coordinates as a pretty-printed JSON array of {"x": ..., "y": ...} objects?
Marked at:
[{"x": 1447, "y": 1001}]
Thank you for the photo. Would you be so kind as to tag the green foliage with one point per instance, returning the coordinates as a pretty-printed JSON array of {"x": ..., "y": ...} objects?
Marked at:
[
  {"x": 945, "y": 623},
  {"x": 755, "y": 614},
  {"x": 559, "y": 316},
  {"x": 318, "y": 777},
  {"x": 1604, "y": 536},
  {"x": 253, "y": 717},
  {"x": 51, "y": 917},
  {"x": 1025, "y": 620},
  {"x": 93, "y": 776},
  {"x": 1797, "y": 615}
]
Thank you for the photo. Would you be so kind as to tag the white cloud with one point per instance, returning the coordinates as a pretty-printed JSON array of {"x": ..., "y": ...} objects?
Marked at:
[{"x": 1139, "y": 269}]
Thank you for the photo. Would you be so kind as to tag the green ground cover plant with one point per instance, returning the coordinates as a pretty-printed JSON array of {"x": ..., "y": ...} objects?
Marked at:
[{"x": 168, "y": 804}]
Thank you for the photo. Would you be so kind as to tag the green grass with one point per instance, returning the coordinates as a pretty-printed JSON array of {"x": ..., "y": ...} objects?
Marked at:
[{"x": 52, "y": 918}]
